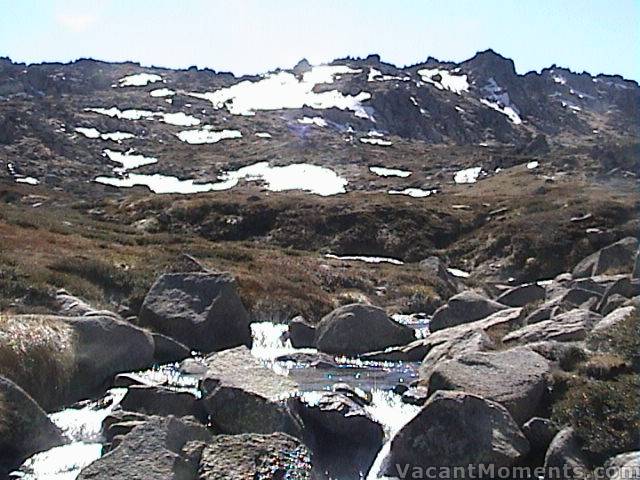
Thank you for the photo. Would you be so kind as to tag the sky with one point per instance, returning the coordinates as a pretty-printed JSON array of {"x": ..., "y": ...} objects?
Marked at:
[{"x": 254, "y": 36}]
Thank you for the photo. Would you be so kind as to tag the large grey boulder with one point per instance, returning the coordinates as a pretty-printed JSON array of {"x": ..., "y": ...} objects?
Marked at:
[
  {"x": 625, "y": 466},
  {"x": 564, "y": 456},
  {"x": 105, "y": 346},
  {"x": 464, "y": 307},
  {"x": 354, "y": 329},
  {"x": 636, "y": 266},
  {"x": 24, "y": 427},
  {"x": 456, "y": 429},
  {"x": 153, "y": 450},
  {"x": 469, "y": 341},
  {"x": 619, "y": 257},
  {"x": 603, "y": 331},
  {"x": 243, "y": 396},
  {"x": 342, "y": 434},
  {"x": 199, "y": 309},
  {"x": 252, "y": 457},
  {"x": 567, "y": 327},
  {"x": 522, "y": 295},
  {"x": 625, "y": 287},
  {"x": 516, "y": 378}
]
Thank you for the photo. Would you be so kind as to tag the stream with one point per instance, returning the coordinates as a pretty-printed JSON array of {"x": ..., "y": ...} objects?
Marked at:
[{"x": 82, "y": 422}]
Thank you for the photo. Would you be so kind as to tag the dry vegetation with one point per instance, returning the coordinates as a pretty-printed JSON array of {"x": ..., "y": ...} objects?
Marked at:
[{"x": 36, "y": 352}]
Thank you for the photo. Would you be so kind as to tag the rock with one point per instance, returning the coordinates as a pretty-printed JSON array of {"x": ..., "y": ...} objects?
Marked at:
[
  {"x": 105, "y": 346},
  {"x": 617, "y": 257},
  {"x": 493, "y": 325},
  {"x": 167, "y": 350},
  {"x": 340, "y": 432},
  {"x": 201, "y": 310},
  {"x": 567, "y": 327},
  {"x": 539, "y": 433},
  {"x": 354, "y": 329},
  {"x": 441, "y": 277},
  {"x": 624, "y": 287},
  {"x": 614, "y": 302},
  {"x": 564, "y": 454},
  {"x": 416, "y": 395},
  {"x": 470, "y": 341},
  {"x": 578, "y": 296},
  {"x": 515, "y": 378},
  {"x": 120, "y": 422},
  {"x": 464, "y": 307},
  {"x": 476, "y": 431},
  {"x": 250, "y": 457},
  {"x": 600, "y": 334},
  {"x": 24, "y": 427},
  {"x": 153, "y": 450},
  {"x": 156, "y": 400},
  {"x": 636, "y": 266},
  {"x": 301, "y": 333},
  {"x": 625, "y": 466},
  {"x": 243, "y": 396},
  {"x": 522, "y": 295}
]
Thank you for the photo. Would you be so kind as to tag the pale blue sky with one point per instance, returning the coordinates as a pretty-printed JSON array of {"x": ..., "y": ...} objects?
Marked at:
[{"x": 251, "y": 36}]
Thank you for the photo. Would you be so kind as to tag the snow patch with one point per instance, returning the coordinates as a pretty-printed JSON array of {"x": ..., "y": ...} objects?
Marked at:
[
  {"x": 318, "y": 121},
  {"x": 413, "y": 192},
  {"x": 390, "y": 172},
  {"x": 162, "y": 92},
  {"x": 367, "y": 259},
  {"x": 468, "y": 175},
  {"x": 376, "y": 141},
  {"x": 198, "y": 137},
  {"x": 128, "y": 159},
  {"x": 94, "y": 133},
  {"x": 283, "y": 90},
  {"x": 447, "y": 81},
  {"x": 498, "y": 99},
  {"x": 263, "y": 135},
  {"x": 139, "y": 80}
]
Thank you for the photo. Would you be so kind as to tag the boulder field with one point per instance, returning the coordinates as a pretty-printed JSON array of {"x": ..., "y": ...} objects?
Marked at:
[{"x": 500, "y": 369}]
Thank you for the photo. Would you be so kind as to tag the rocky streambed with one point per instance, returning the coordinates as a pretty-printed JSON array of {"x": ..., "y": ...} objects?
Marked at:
[{"x": 542, "y": 375}]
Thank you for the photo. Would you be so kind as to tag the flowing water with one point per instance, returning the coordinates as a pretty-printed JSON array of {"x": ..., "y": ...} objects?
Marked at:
[{"x": 82, "y": 422}]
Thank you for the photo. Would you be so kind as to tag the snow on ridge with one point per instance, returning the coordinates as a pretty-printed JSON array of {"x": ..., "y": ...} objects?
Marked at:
[
  {"x": 139, "y": 80},
  {"x": 448, "y": 80},
  {"x": 498, "y": 99},
  {"x": 283, "y": 90},
  {"x": 376, "y": 75},
  {"x": 376, "y": 141}
]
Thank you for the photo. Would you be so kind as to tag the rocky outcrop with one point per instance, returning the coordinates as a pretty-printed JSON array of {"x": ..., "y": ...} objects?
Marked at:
[
  {"x": 567, "y": 327},
  {"x": 354, "y": 329},
  {"x": 476, "y": 431},
  {"x": 619, "y": 257},
  {"x": 522, "y": 295},
  {"x": 156, "y": 400},
  {"x": 464, "y": 307},
  {"x": 515, "y": 378},
  {"x": 539, "y": 432},
  {"x": 251, "y": 457},
  {"x": 167, "y": 350},
  {"x": 624, "y": 466},
  {"x": 242, "y": 396},
  {"x": 24, "y": 427},
  {"x": 201, "y": 310},
  {"x": 152, "y": 450}
]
